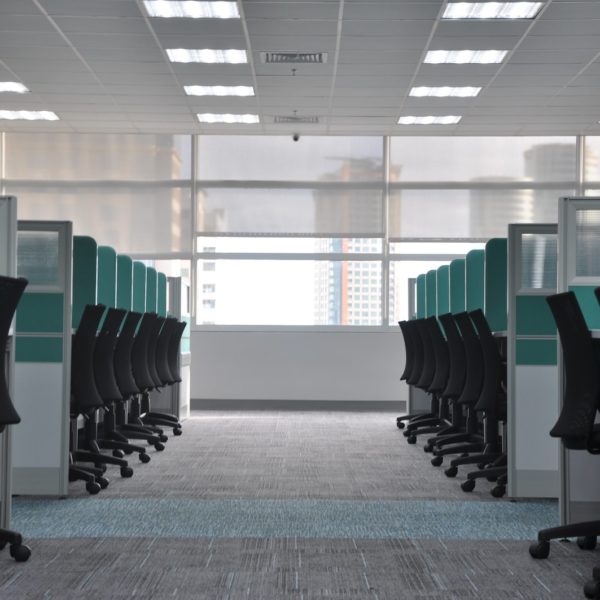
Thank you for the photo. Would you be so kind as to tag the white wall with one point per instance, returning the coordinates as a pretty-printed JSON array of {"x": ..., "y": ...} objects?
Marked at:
[{"x": 307, "y": 365}]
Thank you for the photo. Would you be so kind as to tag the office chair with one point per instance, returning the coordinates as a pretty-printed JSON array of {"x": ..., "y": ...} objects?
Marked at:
[
  {"x": 173, "y": 351},
  {"x": 410, "y": 351},
  {"x": 11, "y": 290},
  {"x": 575, "y": 426}
]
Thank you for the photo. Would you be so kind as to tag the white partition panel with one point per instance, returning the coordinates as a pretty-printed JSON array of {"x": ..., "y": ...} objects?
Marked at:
[
  {"x": 579, "y": 271},
  {"x": 8, "y": 266},
  {"x": 533, "y": 456}
]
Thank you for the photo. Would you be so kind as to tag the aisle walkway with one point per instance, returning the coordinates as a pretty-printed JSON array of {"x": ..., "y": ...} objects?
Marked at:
[{"x": 264, "y": 506}]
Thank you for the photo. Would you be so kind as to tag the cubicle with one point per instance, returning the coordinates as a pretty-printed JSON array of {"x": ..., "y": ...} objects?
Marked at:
[
  {"x": 8, "y": 266},
  {"x": 43, "y": 356},
  {"x": 532, "y": 395},
  {"x": 579, "y": 271}
]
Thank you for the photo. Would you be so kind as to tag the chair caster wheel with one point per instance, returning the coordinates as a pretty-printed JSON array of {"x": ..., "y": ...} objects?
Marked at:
[
  {"x": 481, "y": 466},
  {"x": 145, "y": 458},
  {"x": 492, "y": 479},
  {"x": 163, "y": 438},
  {"x": 118, "y": 453},
  {"x": 468, "y": 485},
  {"x": 407, "y": 433},
  {"x": 427, "y": 448},
  {"x": 177, "y": 431},
  {"x": 160, "y": 447},
  {"x": 400, "y": 424},
  {"x": 128, "y": 452},
  {"x": 92, "y": 487},
  {"x": 102, "y": 482},
  {"x": 498, "y": 491},
  {"x": 412, "y": 439},
  {"x": 126, "y": 472},
  {"x": 20, "y": 552},
  {"x": 591, "y": 589},
  {"x": 540, "y": 549},
  {"x": 587, "y": 543},
  {"x": 451, "y": 472},
  {"x": 101, "y": 466},
  {"x": 436, "y": 461}
]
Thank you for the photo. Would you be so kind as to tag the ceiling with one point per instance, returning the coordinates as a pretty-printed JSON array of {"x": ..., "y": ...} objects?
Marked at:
[{"x": 101, "y": 66}]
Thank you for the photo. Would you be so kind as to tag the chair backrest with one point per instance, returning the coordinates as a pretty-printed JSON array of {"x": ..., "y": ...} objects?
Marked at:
[
  {"x": 441, "y": 359},
  {"x": 582, "y": 373},
  {"x": 491, "y": 399},
  {"x": 85, "y": 395},
  {"x": 456, "y": 355},
  {"x": 473, "y": 358},
  {"x": 174, "y": 350},
  {"x": 162, "y": 350},
  {"x": 104, "y": 355},
  {"x": 419, "y": 356},
  {"x": 139, "y": 353},
  {"x": 123, "y": 351},
  {"x": 409, "y": 349},
  {"x": 11, "y": 290},
  {"x": 428, "y": 370},
  {"x": 152, "y": 345}
]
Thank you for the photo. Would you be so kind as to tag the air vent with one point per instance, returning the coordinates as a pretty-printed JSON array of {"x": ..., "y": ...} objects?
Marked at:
[
  {"x": 294, "y": 57},
  {"x": 293, "y": 120}
]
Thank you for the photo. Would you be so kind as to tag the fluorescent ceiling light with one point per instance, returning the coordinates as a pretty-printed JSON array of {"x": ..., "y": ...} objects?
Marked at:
[
  {"x": 192, "y": 10},
  {"x": 492, "y": 10},
  {"x": 443, "y": 120},
  {"x": 443, "y": 92},
  {"x": 227, "y": 118},
  {"x": 219, "y": 90},
  {"x": 28, "y": 115},
  {"x": 183, "y": 55},
  {"x": 13, "y": 86},
  {"x": 461, "y": 57}
]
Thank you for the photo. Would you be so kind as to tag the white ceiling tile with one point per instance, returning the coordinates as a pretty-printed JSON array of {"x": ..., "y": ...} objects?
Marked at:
[
  {"x": 90, "y": 8},
  {"x": 107, "y": 26}
]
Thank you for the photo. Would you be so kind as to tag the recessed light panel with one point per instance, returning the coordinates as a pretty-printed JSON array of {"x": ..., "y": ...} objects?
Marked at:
[
  {"x": 13, "y": 86},
  {"x": 189, "y": 9},
  {"x": 461, "y": 57},
  {"x": 430, "y": 120},
  {"x": 28, "y": 115},
  {"x": 227, "y": 118},
  {"x": 444, "y": 92},
  {"x": 207, "y": 55},
  {"x": 492, "y": 10},
  {"x": 219, "y": 90}
]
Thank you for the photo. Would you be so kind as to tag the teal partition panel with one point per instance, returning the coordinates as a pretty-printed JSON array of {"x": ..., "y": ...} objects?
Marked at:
[
  {"x": 151, "y": 288},
  {"x": 85, "y": 274},
  {"x": 431, "y": 293},
  {"x": 496, "y": 283},
  {"x": 589, "y": 304},
  {"x": 139, "y": 287},
  {"x": 107, "y": 276},
  {"x": 161, "y": 295},
  {"x": 474, "y": 280},
  {"x": 457, "y": 285},
  {"x": 124, "y": 282},
  {"x": 443, "y": 290},
  {"x": 421, "y": 296}
]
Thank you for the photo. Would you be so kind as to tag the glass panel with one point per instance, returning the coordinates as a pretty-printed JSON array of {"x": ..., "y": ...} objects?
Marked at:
[
  {"x": 63, "y": 156},
  {"x": 482, "y": 159},
  {"x": 153, "y": 220},
  {"x": 539, "y": 261},
  {"x": 288, "y": 292},
  {"x": 171, "y": 267},
  {"x": 38, "y": 257},
  {"x": 591, "y": 165},
  {"x": 468, "y": 213},
  {"x": 296, "y": 211},
  {"x": 288, "y": 245},
  {"x": 434, "y": 247},
  {"x": 400, "y": 272},
  {"x": 312, "y": 158},
  {"x": 587, "y": 242}
]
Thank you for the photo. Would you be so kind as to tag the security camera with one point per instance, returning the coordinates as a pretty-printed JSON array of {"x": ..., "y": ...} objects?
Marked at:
[{"x": 296, "y": 137}]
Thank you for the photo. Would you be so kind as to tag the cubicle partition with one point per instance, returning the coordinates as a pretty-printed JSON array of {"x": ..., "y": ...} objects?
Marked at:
[
  {"x": 579, "y": 271},
  {"x": 457, "y": 285},
  {"x": 495, "y": 284},
  {"x": 107, "y": 276},
  {"x": 474, "y": 280},
  {"x": 431, "y": 293},
  {"x": 85, "y": 275},
  {"x": 40, "y": 449},
  {"x": 421, "y": 301},
  {"x": 124, "y": 282},
  {"x": 532, "y": 398},
  {"x": 151, "y": 289},
  {"x": 8, "y": 267},
  {"x": 138, "y": 302},
  {"x": 443, "y": 289}
]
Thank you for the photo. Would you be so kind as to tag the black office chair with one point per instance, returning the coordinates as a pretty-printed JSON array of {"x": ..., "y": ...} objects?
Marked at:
[
  {"x": 173, "y": 352},
  {"x": 11, "y": 290},
  {"x": 576, "y": 425},
  {"x": 410, "y": 352}
]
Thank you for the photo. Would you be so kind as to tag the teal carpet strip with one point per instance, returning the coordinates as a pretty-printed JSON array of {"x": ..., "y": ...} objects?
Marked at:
[{"x": 186, "y": 518}]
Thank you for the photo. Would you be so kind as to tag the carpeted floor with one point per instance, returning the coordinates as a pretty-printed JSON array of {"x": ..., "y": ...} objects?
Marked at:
[{"x": 264, "y": 506}]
